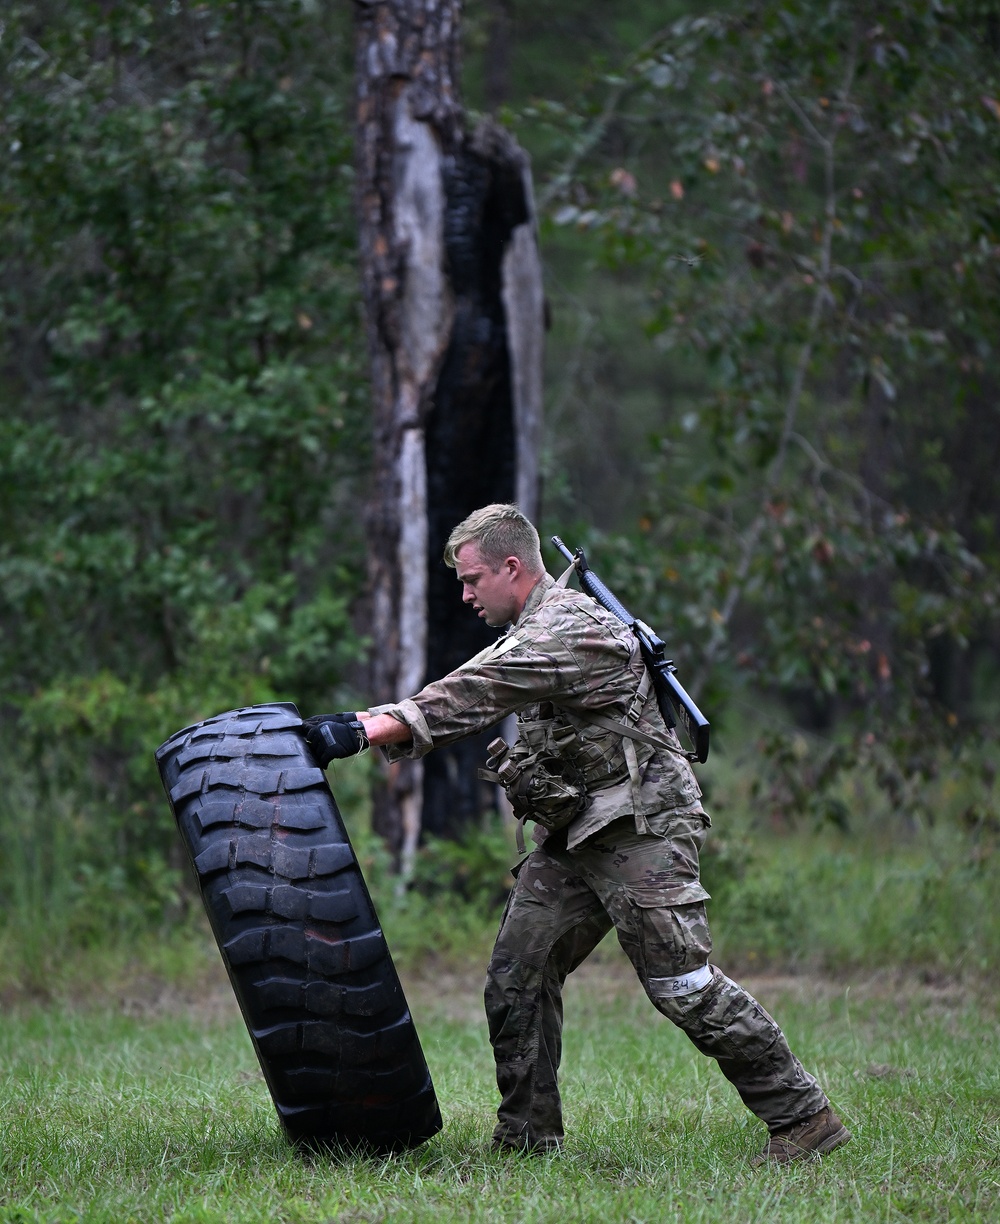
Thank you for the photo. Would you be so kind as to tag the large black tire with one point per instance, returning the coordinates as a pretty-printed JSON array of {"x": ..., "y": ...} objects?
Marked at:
[{"x": 298, "y": 932}]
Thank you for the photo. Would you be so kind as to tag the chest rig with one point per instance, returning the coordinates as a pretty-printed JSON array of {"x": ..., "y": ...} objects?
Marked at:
[{"x": 562, "y": 757}]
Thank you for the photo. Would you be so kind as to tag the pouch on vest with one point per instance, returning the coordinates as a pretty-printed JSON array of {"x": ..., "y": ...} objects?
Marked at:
[{"x": 540, "y": 783}]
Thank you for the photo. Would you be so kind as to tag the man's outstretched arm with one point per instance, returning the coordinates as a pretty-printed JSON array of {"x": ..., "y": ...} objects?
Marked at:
[
  {"x": 332, "y": 737},
  {"x": 383, "y": 729}
]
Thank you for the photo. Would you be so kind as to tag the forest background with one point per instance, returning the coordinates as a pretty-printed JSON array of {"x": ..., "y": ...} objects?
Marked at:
[{"x": 772, "y": 257}]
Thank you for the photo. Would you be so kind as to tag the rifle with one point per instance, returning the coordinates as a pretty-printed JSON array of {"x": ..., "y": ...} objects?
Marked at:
[{"x": 673, "y": 699}]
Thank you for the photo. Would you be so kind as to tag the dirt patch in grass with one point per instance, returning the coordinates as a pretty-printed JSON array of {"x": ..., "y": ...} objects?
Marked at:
[
  {"x": 210, "y": 1001},
  {"x": 608, "y": 980},
  {"x": 454, "y": 992}
]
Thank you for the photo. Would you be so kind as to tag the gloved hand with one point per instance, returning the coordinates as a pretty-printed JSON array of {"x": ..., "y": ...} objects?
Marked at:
[{"x": 334, "y": 736}]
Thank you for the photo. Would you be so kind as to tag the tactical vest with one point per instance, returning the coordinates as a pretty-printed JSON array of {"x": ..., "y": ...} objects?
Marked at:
[{"x": 552, "y": 769}]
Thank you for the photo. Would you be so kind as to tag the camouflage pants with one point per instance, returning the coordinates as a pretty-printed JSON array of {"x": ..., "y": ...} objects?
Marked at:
[{"x": 563, "y": 903}]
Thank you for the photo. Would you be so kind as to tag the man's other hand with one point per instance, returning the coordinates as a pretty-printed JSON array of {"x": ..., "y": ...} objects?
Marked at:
[{"x": 334, "y": 736}]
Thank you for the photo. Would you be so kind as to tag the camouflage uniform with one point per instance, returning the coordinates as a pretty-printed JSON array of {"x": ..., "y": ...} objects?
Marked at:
[{"x": 628, "y": 860}]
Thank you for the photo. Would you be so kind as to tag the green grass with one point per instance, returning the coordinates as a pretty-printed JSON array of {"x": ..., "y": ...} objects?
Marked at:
[
  {"x": 162, "y": 1114},
  {"x": 837, "y": 901}
]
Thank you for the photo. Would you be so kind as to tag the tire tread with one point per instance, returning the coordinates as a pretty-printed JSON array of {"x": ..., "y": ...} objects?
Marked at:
[{"x": 297, "y": 931}]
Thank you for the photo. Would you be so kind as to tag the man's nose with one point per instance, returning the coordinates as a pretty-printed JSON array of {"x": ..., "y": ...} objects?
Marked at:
[{"x": 468, "y": 595}]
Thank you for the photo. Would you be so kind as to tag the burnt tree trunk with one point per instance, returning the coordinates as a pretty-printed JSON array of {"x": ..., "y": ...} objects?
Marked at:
[{"x": 453, "y": 301}]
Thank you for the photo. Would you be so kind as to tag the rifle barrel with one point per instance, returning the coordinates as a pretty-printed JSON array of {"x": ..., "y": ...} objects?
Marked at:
[{"x": 596, "y": 588}]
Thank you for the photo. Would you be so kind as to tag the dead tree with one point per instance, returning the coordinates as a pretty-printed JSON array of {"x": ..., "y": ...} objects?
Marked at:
[{"x": 454, "y": 311}]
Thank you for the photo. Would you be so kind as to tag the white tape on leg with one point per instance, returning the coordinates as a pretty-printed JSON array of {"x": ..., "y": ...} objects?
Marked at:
[{"x": 683, "y": 984}]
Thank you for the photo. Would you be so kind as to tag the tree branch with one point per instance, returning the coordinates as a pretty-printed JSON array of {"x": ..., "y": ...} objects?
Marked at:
[
  {"x": 775, "y": 471},
  {"x": 626, "y": 83}
]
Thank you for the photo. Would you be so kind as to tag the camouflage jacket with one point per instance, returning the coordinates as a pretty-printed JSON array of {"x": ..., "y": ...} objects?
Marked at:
[{"x": 565, "y": 656}]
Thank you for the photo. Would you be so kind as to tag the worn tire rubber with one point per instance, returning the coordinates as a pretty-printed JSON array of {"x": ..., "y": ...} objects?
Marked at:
[{"x": 298, "y": 932}]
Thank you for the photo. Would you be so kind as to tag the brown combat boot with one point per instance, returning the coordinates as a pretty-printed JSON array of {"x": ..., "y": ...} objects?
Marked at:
[{"x": 813, "y": 1136}]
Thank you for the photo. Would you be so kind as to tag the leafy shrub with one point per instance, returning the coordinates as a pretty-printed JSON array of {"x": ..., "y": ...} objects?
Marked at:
[{"x": 474, "y": 870}]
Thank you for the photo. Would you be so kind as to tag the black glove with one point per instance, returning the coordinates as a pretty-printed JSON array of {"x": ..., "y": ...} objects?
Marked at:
[{"x": 334, "y": 736}]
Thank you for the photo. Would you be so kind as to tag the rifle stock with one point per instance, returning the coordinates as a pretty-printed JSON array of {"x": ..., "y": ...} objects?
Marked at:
[{"x": 675, "y": 702}]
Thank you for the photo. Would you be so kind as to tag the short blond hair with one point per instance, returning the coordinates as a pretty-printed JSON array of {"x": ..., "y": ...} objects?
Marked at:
[{"x": 499, "y": 530}]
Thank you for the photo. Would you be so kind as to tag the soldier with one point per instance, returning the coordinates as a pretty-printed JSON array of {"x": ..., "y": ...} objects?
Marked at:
[{"x": 618, "y": 829}]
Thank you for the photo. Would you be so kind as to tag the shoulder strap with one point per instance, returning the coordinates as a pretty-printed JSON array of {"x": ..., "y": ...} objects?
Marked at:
[
  {"x": 627, "y": 726},
  {"x": 633, "y": 733},
  {"x": 564, "y": 577}
]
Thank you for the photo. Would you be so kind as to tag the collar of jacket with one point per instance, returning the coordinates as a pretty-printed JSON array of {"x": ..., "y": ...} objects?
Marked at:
[{"x": 535, "y": 596}]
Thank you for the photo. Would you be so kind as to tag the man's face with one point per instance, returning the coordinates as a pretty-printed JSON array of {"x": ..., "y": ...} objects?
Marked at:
[{"x": 492, "y": 596}]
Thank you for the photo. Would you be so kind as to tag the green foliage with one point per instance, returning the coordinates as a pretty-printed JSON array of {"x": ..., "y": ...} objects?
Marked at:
[
  {"x": 473, "y": 871},
  {"x": 180, "y": 357},
  {"x": 800, "y": 190},
  {"x": 791, "y": 201},
  {"x": 842, "y": 904}
]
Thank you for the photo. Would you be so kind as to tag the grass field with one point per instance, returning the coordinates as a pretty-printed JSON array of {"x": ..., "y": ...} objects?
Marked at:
[{"x": 147, "y": 1104}]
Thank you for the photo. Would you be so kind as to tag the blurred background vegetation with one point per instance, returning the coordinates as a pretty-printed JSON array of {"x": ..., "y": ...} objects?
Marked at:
[{"x": 772, "y": 245}]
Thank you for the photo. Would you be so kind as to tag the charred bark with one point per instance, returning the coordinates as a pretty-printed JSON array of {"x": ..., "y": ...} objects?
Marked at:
[{"x": 452, "y": 292}]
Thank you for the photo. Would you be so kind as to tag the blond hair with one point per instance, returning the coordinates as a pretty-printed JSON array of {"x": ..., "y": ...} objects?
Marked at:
[{"x": 499, "y": 530}]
